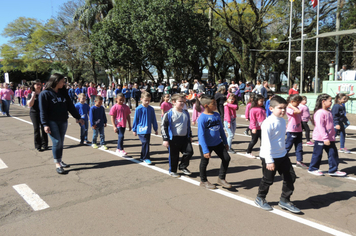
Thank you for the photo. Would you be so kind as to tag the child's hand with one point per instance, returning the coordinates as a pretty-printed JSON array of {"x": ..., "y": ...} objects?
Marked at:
[
  {"x": 254, "y": 131},
  {"x": 105, "y": 125},
  {"x": 165, "y": 144},
  {"x": 337, "y": 127},
  {"x": 129, "y": 128},
  {"x": 115, "y": 130},
  {"x": 246, "y": 119},
  {"x": 228, "y": 125},
  {"x": 81, "y": 121},
  {"x": 270, "y": 167},
  {"x": 47, "y": 129},
  {"x": 227, "y": 147},
  {"x": 327, "y": 142},
  {"x": 207, "y": 155},
  {"x": 193, "y": 122},
  {"x": 134, "y": 133}
]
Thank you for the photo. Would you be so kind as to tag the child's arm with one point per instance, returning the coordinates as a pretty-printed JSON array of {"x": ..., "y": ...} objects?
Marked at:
[
  {"x": 154, "y": 121},
  {"x": 227, "y": 115},
  {"x": 135, "y": 121},
  {"x": 164, "y": 130},
  {"x": 253, "y": 120},
  {"x": 223, "y": 135},
  {"x": 295, "y": 109},
  {"x": 201, "y": 138},
  {"x": 113, "y": 123},
  {"x": 129, "y": 121}
]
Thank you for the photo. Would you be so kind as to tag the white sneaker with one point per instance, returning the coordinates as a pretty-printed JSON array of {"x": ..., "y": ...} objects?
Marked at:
[
  {"x": 338, "y": 173},
  {"x": 316, "y": 172},
  {"x": 103, "y": 147}
]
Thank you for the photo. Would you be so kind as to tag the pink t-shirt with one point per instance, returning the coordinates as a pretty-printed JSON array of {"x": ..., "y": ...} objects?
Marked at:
[
  {"x": 230, "y": 112},
  {"x": 17, "y": 93},
  {"x": 257, "y": 116},
  {"x": 120, "y": 113},
  {"x": 324, "y": 126},
  {"x": 103, "y": 93},
  {"x": 196, "y": 114},
  {"x": 304, "y": 112},
  {"x": 247, "y": 111},
  {"x": 294, "y": 121},
  {"x": 92, "y": 91},
  {"x": 6, "y": 94},
  {"x": 166, "y": 106}
]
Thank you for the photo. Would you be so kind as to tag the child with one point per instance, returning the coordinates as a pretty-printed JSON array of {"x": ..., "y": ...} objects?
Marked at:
[
  {"x": 165, "y": 104},
  {"x": 324, "y": 138},
  {"x": 83, "y": 109},
  {"x": 191, "y": 98},
  {"x": 247, "y": 112},
  {"x": 305, "y": 114},
  {"x": 212, "y": 138},
  {"x": 18, "y": 95},
  {"x": 110, "y": 96},
  {"x": 257, "y": 116},
  {"x": 71, "y": 93},
  {"x": 120, "y": 113},
  {"x": 294, "y": 129},
  {"x": 144, "y": 118},
  {"x": 177, "y": 136},
  {"x": 339, "y": 115},
  {"x": 198, "y": 109},
  {"x": 92, "y": 93},
  {"x": 268, "y": 111},
  {"x": 103, "y": 94},
  {"x": 98, "y": 121},
  {"x": 23, "y": 95},
  {"x": 274, "y": 158},
  {"x": 230, "y": 119},
  {"x": 127, "y": 93}
]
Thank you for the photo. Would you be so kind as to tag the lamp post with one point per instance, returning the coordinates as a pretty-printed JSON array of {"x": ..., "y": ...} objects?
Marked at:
[{"x": 281, "y": 62}]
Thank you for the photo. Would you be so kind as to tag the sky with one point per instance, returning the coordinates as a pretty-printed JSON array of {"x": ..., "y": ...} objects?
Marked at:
[{"x": 41, "y": 10}]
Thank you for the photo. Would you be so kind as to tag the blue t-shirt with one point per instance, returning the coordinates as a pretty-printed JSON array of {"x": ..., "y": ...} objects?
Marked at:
[
  {"x": 268, "y": 111},
  {"x": 117, "y": 91},
  {"x": 210, "y": 131},
  {"x": 78, "y": 91},
  {"x": 83, "y": 110},
  {"x": 97, "y": 116},
  {"x": 144, "y": 118},
  {"x": 126, "y": 92}
]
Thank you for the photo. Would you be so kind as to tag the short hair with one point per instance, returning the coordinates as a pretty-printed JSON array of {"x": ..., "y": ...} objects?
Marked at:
[
  {"x": 121, "y": 95},
  {"x": 177, "y": 96},
  {"x": 221, "y": 88},
  {"x": 276, "y": 100},
  {"x": 294, "y": 98},
  {"x": 82, "y": 95},
  {"x": 304, "y": 98},
  {"x": 145, "y": 95},
  {"x": 98, "y": 98},
  {"x": 205, "y": 100}
]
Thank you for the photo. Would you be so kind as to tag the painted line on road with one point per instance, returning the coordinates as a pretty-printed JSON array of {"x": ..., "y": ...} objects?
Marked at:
[
  {"x": 31, "y": 197},
  {"x": 2, "y": 164},
  {"x": 281, "y": 213}
]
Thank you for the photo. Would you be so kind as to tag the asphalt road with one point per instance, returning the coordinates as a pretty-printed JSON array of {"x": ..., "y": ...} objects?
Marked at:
[{"x": 104, "y": 194}]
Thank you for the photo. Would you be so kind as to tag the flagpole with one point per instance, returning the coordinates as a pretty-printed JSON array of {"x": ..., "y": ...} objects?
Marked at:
[
  {"x": 302, "y": 52},
  {"x": 316, "y": 82},
  {"x": 290, "y": 41}
]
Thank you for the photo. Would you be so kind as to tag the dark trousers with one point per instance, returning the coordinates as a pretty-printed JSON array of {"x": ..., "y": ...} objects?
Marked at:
[
  {"x": 333, "y": 156},
  {"x": 307, "y": 130},
  {"x": 145, "y": 151},
  {"x": 285, "y": 170},
  {"x": 254, "y": 140},
  {"x": 120, "y": 140},
  {"x": 84, "y": 131},
  {"x": 137, "y": 100},
  {"x": 220, "y": 150},
  {"x": 41, "y": 138},
  {"x": 221, "y": 112},
  {"x": 176, "y": 145},
  {"x": 111, "y": 100},
  {"x": 296, "y": 139},
  {"x": 243, "y": 98}
]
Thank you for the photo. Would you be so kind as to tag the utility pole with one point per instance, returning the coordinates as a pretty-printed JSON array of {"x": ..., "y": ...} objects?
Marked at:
[
  {"x": 337, "y": 50},
  {"x": 210, "y": 42}
]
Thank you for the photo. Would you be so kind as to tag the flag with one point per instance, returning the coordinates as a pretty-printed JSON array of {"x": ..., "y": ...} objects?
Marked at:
[{"x": 315, "y": 3}]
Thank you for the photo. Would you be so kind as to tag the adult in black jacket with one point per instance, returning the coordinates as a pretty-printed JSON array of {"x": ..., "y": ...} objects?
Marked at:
[
  {"x": 220, "y": 98},
  {"x": 41, "y": 137},
  {"x": 54, "y": 104}
]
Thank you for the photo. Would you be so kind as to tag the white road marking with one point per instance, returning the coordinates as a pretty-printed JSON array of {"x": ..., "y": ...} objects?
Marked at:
[
  {"x": 281, "y": 213},
  {"x": 2, "y": 164},
  {"x": 31, "y": 197}
]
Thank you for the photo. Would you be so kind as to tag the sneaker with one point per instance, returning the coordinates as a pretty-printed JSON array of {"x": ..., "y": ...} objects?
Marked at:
[
  {"x": 338, "y": 173},
  {"x": 123, "y": 152},
  {"x": 301, "y": 165},
  {"x": 316, "y": 172},
  {"x": 289, "y": 206},
  {"x": 186, "y": 171},
  {"x": 231, "y": 151},
  {"x": 224, "y": 183},
  {"x": 174, "y": 174},
  {"x": 87, "y": 142},
  {"x": 207, "y": 185},
  {"x": 147, "y": 161},
  {"x": 337, "y": 136},
  {"x": 245, "y": 133},
  {"x": 94, "y": 146},
  {"x": 64, "y": 165},
  {"x": 344, "y": 150},
  {"x": 262, "y": 203},
  {"x": 249, "y": 155},
  {"x": 103, "y": 147},
  {"x": 310, "y": 143}
]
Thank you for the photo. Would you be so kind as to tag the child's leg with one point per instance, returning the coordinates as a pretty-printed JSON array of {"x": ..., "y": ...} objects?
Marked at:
[
  {"x": 285, "y": 169},
  {"x": 317, "y": 155},
  {"x": 233, "y": 127},
  {"x": 19, "y": 100},
  {"x": 203, "y": 165},
  {"x": 82, "y": 133},
  {"x": 145, "y": 140},
  {"x": 95, "y": 135},
  {"x": 120, "y": 141},
  {"x": 266, "y": 181},
  {"x": 289, "y": 141},
  {"x": 220, "y": 150},
  {"x": 86, "y": 130},
  {"x": 307, "y": 130},
  {"x": 342, "y": 136},
  {"x": 254, "y": 140},
  {"x": 229, "y": 132},
  {"x": 174, "y": 147},
  {"x": 298, "y": 143},
  {"x": 187, "y": 150},
  {"x": 102, "y": 136},
  {"x": 333, "y": 157}
]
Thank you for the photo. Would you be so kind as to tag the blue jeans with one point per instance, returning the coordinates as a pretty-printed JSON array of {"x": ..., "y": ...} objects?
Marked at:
[
  {"x": 92, "y": 100},
  {"x": 6, "y": 106},
  {"x": 120, "y": 141},
  {"x": 296, "y": 139},
  {"x": 23, "y": 101},
  {"x": 58, "y": 131},
  {"x": 333, "y": 156},
  {"x": 84, "y": 131},
  {"x": 230, "y": 131},
  {"x": 342, "y": 135},
  {"x": 145, "y": 151},
  {"x": 99, "y": 130}
]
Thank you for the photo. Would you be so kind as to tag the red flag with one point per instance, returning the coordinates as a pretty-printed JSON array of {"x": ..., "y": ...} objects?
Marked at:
[{"x": 315, "y": 3}]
